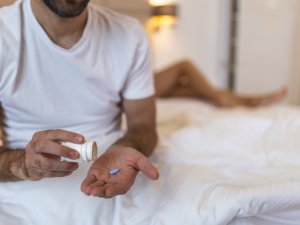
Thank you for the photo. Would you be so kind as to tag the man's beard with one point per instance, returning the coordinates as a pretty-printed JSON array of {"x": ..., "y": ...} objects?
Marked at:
[{"x": 66, "y": 8}]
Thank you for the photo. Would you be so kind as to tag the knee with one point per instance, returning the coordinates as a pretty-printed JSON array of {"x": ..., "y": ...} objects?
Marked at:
[{"x": 185, "y": 63}]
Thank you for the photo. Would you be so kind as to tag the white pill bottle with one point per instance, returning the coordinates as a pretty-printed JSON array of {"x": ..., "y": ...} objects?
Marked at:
[{"x": 88, "y": 151}]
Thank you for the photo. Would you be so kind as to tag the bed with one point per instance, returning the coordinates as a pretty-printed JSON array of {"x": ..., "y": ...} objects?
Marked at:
[{"x": 217, "y": 167}]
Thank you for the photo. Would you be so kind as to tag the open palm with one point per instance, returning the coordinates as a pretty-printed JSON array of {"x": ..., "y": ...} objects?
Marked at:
[{"x": 99, "y": 182}]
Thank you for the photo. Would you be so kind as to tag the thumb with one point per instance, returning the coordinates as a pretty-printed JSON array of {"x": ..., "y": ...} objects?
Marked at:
[{"x": 143, "y": 164}]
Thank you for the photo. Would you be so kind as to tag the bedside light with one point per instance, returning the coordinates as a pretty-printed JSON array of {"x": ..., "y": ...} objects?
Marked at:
[{"x": 162, "y": 15}]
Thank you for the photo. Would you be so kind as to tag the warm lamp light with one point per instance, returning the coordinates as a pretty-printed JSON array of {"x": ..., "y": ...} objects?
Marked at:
[
  {"x": 164, "y": 10},
  {"x": 162, "y": 15},
  {"x": 160, "y": 2}
]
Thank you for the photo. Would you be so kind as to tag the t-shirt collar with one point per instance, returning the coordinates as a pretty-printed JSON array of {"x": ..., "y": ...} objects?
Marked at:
[{"x": 41, "y": 32}]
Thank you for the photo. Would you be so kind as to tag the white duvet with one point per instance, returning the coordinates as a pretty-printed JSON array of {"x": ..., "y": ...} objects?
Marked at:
[{"x": 215, "y": 166}]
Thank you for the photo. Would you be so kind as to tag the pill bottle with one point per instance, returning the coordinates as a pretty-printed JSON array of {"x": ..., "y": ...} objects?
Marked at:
[{"x": 88, "y": 151}]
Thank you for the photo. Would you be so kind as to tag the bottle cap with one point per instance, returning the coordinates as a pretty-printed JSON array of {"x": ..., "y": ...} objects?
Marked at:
[
  {"x": 88, "y": 151},
  {"x": 92, "y": 151}
]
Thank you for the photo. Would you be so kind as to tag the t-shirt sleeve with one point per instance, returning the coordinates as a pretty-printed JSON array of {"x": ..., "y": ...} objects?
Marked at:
[{"x": 140, "y": 83}]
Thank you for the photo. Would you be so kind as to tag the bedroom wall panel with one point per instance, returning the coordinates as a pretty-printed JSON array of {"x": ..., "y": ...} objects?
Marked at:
[
  {"x": 266, "y": 45},
  {"x": 294, "y": 85}
]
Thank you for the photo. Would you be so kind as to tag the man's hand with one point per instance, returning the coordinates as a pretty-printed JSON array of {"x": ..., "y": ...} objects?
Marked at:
[
  {"x": 129, "y": 161},
  {"x": 43, "y": 154},
  {"x": 128, "y": 154}
]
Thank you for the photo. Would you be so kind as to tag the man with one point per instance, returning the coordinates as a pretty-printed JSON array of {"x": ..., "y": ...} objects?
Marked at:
[{"x": 67, "y": 72}]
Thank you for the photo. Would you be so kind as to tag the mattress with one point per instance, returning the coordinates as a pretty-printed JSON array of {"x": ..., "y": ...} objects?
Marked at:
[{"x": 217, "y": 167}]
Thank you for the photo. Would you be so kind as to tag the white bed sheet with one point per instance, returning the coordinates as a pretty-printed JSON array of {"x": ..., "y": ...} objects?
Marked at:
[
  {"x": 290, "y": 217},
  {"x": 217, "y": 167}
]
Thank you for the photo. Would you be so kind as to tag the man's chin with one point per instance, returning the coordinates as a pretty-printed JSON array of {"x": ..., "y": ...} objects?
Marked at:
[{"x": 67, "y": 8}]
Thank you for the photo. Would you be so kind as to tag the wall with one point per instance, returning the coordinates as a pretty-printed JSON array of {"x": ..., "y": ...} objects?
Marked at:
[
  {"x": 200, "y": 35},
  {"x": 295, "y": 80},
  {"x": 266, "y": 45},
  {"x": 136, "y": 8}
]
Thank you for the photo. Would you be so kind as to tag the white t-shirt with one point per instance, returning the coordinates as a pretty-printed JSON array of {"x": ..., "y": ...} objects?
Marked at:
[{"x": 44, "y": 86}]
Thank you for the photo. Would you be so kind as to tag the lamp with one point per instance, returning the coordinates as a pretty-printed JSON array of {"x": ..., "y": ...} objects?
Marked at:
[
  {"x": 163, "y": 14},
  {"x": 164, "y": 10}
]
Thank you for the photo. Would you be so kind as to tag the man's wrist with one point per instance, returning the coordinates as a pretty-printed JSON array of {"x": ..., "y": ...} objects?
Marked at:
[
  {"x": 117, "y": 147},
  {"x": 139, "y": 140},
  {"x": 18, "y": 167},
  {"x": 13, "y": 168}
]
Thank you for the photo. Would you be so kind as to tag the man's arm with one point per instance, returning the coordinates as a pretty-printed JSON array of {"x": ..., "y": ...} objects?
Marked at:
[
  {"x": 141, "y": 126},
  {"x": 127, "y": 155}
]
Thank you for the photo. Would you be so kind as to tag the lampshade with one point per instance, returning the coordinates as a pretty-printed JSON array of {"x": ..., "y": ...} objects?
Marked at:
[
  {"x": 164, "y": 10},
  {"x": 163, "y": 14}
]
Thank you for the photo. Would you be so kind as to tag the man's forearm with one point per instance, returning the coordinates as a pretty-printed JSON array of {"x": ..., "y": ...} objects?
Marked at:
[
  {"x": 141, "y": 138},
  {"x": 12, "y": 165}
]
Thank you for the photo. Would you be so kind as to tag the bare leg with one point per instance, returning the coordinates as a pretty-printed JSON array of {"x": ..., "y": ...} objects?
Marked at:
[
  {"x": 230, "y": 99},
  {"x": 185, "y": 80}
]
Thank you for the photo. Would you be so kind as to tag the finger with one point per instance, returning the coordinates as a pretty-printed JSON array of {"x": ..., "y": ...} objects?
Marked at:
[
  {"x": 65, "y": 136},
  {"x": 58, "y": 174},
  {"x": 85, "y": 185},
  {"x": 110, "y": 190},
  {"x": 51, "y": 165},
  {"x": 100, "y": 173},
  {"x": 97, "y": 184},
  {"x": 143, "y": 164},
  {"x": 55, "y": 157},
  {"x": 93, "y": 179},
  {"x": 39, "y": 135},
  {"x": 60, "y": 166},
  {"x": 53, "y": 148}
]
